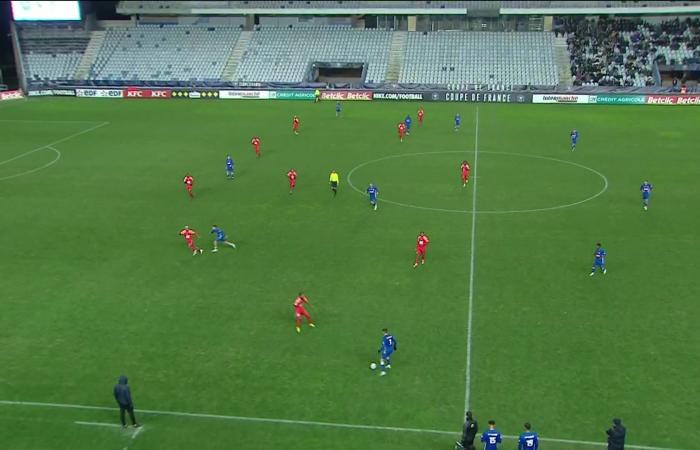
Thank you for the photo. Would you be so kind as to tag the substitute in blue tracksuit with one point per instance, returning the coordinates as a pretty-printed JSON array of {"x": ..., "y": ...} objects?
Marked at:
[{"x": 122, "y": 394}]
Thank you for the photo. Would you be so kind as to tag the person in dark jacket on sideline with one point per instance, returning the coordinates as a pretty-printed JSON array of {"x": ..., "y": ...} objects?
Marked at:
[
  {"x": 616, "y": 436},
  {"x": 471, "y": 428},
  {"x": 122, "y": 394}
]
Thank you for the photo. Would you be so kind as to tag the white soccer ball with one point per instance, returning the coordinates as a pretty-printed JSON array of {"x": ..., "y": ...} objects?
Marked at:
[{"x": 373, "y": 366}]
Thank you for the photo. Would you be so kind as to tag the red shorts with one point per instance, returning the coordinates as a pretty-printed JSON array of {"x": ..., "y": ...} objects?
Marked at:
[
  {"x": 420, "y": 250},
  {"x": 190, "y": 244},
  {"x": 295, "y": 127},
  {"x": 401, "y": 134},
  {"x": 465, "y": 175},
  {"x": 420, "y": 118},
  {"x": 299, "y": 312},
  {"x": 257, "y": 149},
  {"x": 188, "y": 187},
  {"x": 292, "y": 183}
]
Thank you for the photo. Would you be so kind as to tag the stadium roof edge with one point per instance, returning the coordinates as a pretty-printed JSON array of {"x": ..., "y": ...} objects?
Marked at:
[
  {"x": 695, "y": 9},
  {"x": 649, "y": 10}
]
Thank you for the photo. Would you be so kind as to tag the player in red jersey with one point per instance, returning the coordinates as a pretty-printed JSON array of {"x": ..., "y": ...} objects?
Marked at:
[
  {"x": 402, "y": 131},
  {"x": 292, "y": 177},
  {"x": 189, "y": 236},
  {"x": 421, "y": 113},
  {"x": 189, "y": 185},
  {"x": 465, "y": 172},
  {"x": 300, "y": 311},
  {"x": 256, "y": 145},
  {"x": 421, "y": 247},
  {"x": 295, "y": 125}
]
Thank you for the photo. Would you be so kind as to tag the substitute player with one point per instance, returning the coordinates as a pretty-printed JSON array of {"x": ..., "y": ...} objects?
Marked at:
[
  {"x": 528, "y": 439},
  {"x": 338, "y": 109},
  {"x": 402, "y": 131},
  {"x": 333, "y": 180},
  {"x": 646, "y": 189},
  {"x": 229, "y": 167},
  {"x": 599, "y": 261},
  {"x": 300, "y": 311},
  {"x": 295, "y": 125},
  {"x": 465, "y": 172},
  {"x": 189, "y": 185},
  {"x": 189, "y": 236},
  {"x": 292, "y": 178},
  {"x": 220, "y": 238},
  {"x": 574, "y": 139},
  {"x": 373, "y": 192},
  {"x": 458, "y": 121},
  {"x": 386, "y": 349},
  {"x": 421, "y": 247},
  {"x": 421, "y": 113},
  {"x": 408, "y": 122},
  {"x": 255, "y": 142}
]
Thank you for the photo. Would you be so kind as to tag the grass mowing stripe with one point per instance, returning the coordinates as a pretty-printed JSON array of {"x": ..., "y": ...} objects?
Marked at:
[
  {"x": 472, "y": 257},
  {"x": 292, "y": 422}
]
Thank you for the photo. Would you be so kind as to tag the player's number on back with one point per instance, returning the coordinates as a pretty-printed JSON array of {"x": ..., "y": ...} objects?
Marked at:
[{"x": 492, "y": 440}]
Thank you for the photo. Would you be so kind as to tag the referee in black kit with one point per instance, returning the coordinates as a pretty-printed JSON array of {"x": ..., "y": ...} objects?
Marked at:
[{"x": 471, "y": 428}]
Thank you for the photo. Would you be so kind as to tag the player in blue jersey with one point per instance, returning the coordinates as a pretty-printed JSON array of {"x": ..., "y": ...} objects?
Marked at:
[
  {"x": 528, "y": 439},
  {"x": 388, "y": 346},
  {"x": 646, "y": 189},
  {"x": 373, "y": 192},
  {"x": 599, "y": 261},
  {"x": 338, "y": 109},
  {"x": 220, "y": 238},
  {"x": 574, "y": 139},
  {"x": 491, "y": 437},
  {"x": 458, "y": 121},
  {"x": 408, "y": 122},
  {"x": 229, "y": 167}
]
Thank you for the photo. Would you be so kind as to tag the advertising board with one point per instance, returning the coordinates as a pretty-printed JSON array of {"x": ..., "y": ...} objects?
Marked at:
[
  {"x": 99, "y": 93},
  {"x": 11, "y": 95},
  {"x": 134, "y": 92},
  {"x": 246, "y": 95},
  {"x": 346, "y": 95},
  {"x": 485, "y": 97},
  {"x": 559, "y": 98},
  {"x": 673, "y": 99},
  {"x": 617, "y": 99},
  {"x": 196, "y": 94}
]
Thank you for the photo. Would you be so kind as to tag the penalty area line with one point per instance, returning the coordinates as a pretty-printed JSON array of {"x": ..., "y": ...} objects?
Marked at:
[{"x": 222, "y": 417}]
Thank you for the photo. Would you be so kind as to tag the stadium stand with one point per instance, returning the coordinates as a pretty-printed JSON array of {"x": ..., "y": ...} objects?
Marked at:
[
  {"x": 452, "y": 57},
  {"x": 166, "y": 53},
  {"x": 284, "y": 55},
  {"x": 52, "y": 53},
  {"x": 621, "y": 52}
]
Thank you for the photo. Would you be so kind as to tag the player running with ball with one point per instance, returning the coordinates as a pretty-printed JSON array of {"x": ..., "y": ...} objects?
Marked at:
[{"x": 388, "y": 346}]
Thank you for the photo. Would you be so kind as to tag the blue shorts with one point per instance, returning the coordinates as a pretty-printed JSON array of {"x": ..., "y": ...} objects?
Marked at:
[
  {"x": 386, "y": 354},
  {"x": 221, "y": 239},
  {"x": 373, "y": 200},
  {"x": 645, "y": 196},
  {"x": 599, "y": 263}
]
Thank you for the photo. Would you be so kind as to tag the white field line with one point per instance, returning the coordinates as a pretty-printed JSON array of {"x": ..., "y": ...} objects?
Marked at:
[
  {"x": 36, "y": 169},
  {"x": 98, "y": 424},
  {"x": 472, "y": 260},
  {"x": 48, "y": 121},
  {"x": 137, "y": 432},
  {"x": 79, "y": 133},
  {"x": 299, "y": 422}
]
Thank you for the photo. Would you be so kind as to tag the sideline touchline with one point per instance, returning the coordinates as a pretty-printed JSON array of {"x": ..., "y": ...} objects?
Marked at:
[{"x": 296, "y": 422}]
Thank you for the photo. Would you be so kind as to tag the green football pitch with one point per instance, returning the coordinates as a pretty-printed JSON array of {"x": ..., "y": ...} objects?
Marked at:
[{"x": 503, "y": 317}]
